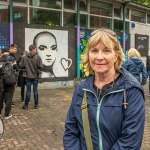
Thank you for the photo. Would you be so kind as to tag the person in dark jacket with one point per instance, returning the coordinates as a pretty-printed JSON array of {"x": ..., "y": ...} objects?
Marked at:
[
  {"x": 21, "y": 79},
  {"x": 114, "y": 101},
  {"x": 1, "y": 76},
  {"x": 32, "y": 64},
  {"x": 148, "y": 71},
  {"x": 12, "y": 55},
  {"x": 136, "y": 66},
  {"x": 8, "y": 89}
]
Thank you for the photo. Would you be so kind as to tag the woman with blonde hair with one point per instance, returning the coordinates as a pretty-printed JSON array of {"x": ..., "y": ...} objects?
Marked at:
[
  {"x": 135, "y": 66},
  {"x": 107, "y": 109}
]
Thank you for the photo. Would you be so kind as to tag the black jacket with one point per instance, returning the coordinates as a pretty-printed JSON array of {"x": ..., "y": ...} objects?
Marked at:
[{"x": 32, "y": 64}]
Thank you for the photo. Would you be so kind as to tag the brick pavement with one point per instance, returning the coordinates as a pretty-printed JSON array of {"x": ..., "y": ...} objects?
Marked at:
[
  {"x": 42, "y": 129},
  {"x": 37, "y": 129}
]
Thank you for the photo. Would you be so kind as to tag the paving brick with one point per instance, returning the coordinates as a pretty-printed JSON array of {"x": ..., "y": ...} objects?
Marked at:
[{"x": 42, "y": 129}]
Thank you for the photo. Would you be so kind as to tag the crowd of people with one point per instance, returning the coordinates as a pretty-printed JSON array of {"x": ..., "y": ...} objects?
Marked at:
[{"x": 24, "y": 72}]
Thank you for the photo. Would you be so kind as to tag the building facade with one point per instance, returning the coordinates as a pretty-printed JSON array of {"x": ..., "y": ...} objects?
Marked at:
[{"x": 67, "y": 22}]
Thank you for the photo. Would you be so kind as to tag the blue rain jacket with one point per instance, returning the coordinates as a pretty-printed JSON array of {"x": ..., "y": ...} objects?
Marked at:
[
  {"x": 136, "y": 67},
  {"x": 112, "y": 127}
]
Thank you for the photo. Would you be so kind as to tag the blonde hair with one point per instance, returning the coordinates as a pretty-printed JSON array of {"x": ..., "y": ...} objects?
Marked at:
[
  {"x": 133, "y": 53},
  {"x": 104, "y": 37}
]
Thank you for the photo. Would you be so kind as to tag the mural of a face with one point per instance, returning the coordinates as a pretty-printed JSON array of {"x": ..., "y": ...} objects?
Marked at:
[{"x": 46, "y": 47}]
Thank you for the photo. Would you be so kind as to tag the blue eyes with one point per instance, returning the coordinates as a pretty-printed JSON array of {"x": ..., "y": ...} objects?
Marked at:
[
  {"x": 93, "y": 50},
  {"x": 103, "y": 51}
]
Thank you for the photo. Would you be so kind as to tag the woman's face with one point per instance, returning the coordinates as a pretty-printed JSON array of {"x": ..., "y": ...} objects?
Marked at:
[
  {"x": 102, "y": 59},
  {"x": 46, "y": 48}
]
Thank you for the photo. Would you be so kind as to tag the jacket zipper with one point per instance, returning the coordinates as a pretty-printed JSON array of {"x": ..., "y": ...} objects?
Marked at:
[{"x": 98, "y": 114}]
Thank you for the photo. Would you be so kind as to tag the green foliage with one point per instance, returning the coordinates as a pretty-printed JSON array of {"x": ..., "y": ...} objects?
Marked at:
[{"x": 142, "y": 2}]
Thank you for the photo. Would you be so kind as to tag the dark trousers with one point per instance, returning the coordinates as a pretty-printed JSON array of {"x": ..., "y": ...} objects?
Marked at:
[
  {"x": 8, "y": 92},
  {"x": 29, "y": 82},
  {"x": 1, "y": 90},
  {"x": 22, "y": 92}
]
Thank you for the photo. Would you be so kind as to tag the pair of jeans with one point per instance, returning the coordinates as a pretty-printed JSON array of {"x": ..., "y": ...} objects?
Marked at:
[
  {"x": 29, "y": 82},
  {"x": 22, "y": 92}
]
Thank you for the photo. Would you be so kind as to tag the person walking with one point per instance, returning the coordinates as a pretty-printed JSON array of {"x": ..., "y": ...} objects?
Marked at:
[
  {"x": 32, "y": 64},
  {"x": 136, "y": 66},
  {"x": 7, "y": 68},
  {"x": 107, "y": 109}
]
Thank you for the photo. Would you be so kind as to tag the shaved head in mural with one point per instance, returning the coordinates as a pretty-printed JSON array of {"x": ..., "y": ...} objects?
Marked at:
[{"x": 47, "y": 49}]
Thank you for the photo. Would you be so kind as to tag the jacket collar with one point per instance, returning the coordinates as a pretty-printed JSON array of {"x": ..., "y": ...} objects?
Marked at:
[{"x": 125, "y": 81}]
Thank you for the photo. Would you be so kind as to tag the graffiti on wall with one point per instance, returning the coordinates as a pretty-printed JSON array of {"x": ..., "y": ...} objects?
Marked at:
[
  {"x": 52, "y": 47},
  {"x": 84, "y": 36}
]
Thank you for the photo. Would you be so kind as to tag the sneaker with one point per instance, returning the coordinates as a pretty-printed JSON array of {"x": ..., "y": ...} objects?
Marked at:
[
  {"x": 148, "y": 94},
  {"x": 36, "y": 107},
  {"x": 9, "y": 116},
  {"x": 25, "y": 107}
]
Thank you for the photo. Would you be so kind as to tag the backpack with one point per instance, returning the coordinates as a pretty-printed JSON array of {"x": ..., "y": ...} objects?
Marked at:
[{"x": 9, "y": 76}]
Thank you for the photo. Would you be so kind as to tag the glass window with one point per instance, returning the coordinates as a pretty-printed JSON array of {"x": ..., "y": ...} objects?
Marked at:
[
  {"x": 69, "y": 19},
  {"x": 138, "y": 16},
  {"x": 118, "y": 26},
  {"x": 100, "y": 8},
  {"x": 57, "y": 4},
  {"x": 4, "y": 14},
  {"x": 20, "y": 14},
  {"x": 148, "y": 18},
  {"x": 20, "y": 1},
  {"x": 69, "y": 4},
  {"x": 83, "y": 21},
  {"x": 97, "y": 22},
  {"x": 83, "y": 5},
  {"x": 47, "y": 17},
  {"x": 4, "y": 27},
  {"x": 127, "y": 13},
  {"x": 117, "y": 12}
]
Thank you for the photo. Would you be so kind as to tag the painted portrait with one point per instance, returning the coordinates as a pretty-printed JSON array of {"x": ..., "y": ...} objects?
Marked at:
[{"x": 52, "y": 47}]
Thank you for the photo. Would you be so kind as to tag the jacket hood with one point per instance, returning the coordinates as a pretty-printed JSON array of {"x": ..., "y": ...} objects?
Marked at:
[
  {"x": 136, "y": 60},
  {"x": 126, "y": 81},
  {"x": 30, "y": 54}
]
